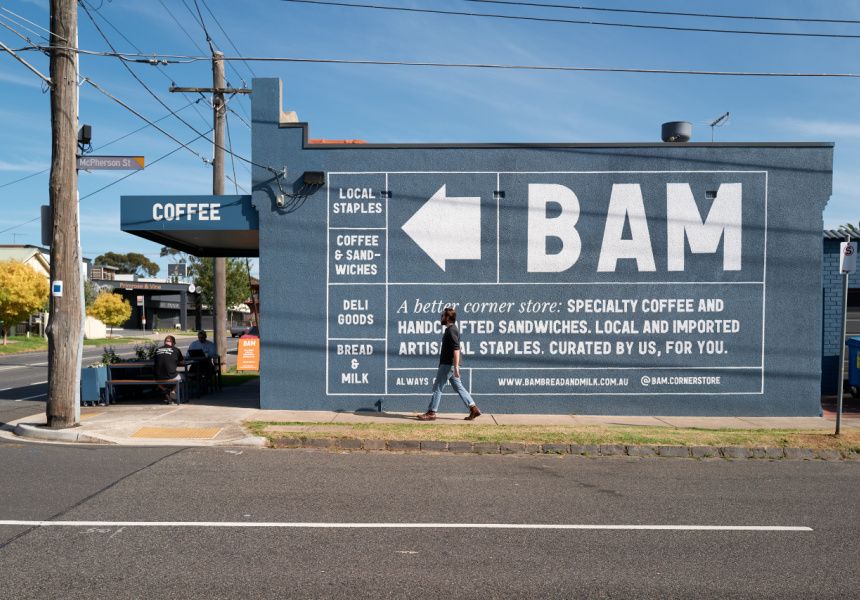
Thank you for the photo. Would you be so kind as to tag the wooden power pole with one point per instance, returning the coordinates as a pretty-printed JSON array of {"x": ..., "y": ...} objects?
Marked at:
[
  {"x": 64, "y": 326},
  {"x": 219, "y": 106},
  {"x": 219, "y": 287}
]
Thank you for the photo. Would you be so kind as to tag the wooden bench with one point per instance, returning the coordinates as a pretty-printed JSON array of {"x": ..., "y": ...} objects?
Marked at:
[{"x": 181, "y": 386}]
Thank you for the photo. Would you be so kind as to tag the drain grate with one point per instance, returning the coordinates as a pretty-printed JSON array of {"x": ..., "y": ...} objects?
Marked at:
[{"x": 176, "y": 432}]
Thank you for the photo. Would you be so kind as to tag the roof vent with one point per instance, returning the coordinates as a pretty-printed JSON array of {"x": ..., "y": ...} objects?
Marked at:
[{"x": 677, "y": 131}]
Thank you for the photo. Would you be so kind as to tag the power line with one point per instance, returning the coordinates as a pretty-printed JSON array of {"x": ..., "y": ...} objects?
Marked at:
[
  {"x": 96, "y": 149},
  {"x": 572, "y": 21},
  {"x": 211, "y": 41},
  {"x": 126, "y": 106},
  {"x": 185, "y": 31},
  {"x": 230, "y": 145},
  {"x": 36, "y": 33},
  {"x": 184, "y": 59},
  {"x": 667, "y": 13},
  {"x": 133, "y": 45},
  {"x": 33, "y": 24},
  {"x": 227, "y": 36},
  {"x": 133, "y": 172},
  {"x": 108, "y": 185},
  {"x": 151, "y": 93}
]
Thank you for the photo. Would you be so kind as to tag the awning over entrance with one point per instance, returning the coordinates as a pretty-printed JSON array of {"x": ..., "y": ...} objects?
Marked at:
[{"x": 198, "y": 225}]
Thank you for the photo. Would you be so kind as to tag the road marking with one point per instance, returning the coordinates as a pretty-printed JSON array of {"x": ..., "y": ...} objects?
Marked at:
[
  {"x": 10, "y": 367},
  {"x": 23, "y": 386},
  {"x": 31, "y": 397},
  {"x": 399, "y": 525}
]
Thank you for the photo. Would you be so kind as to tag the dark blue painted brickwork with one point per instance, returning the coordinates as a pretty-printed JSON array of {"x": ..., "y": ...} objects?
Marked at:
[{"x": 645, "y": 279}]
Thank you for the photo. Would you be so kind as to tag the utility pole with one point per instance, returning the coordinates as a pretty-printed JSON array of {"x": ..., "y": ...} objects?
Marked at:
[
  {"x": 64, "y": 326},
  {"x": 219, "y": 107},
  {"x": 219, "y": 287}
]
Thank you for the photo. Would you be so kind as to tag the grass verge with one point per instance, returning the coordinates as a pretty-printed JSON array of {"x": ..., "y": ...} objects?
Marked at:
[
  {"x": 112, "y": 341},
  {"x": 22, "y": 343},
  {"x": 560, "y": 434},
  {"x": 233, "y": 378}
]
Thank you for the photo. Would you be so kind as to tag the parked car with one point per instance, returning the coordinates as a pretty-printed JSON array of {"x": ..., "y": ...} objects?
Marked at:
[
  {"x": 253, "y": 332},
  {"x": 240, "y": 328}
]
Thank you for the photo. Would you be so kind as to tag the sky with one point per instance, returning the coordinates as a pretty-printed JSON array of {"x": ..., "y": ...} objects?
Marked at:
[{"x": 418, "y": 104}]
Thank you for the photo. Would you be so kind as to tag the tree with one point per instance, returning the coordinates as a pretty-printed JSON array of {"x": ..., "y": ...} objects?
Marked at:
[
  {"x": 238, "y": 289},
  {"x": 22, "y": 292},
  {"x": 91, "y": 292},
  {"x": 128, "y": 264},
  {"x": 110, "y": 309},
  {"x": 850, "y": 227}
]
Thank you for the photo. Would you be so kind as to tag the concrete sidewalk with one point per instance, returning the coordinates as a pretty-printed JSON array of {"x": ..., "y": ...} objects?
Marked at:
[{"x": 216, "y": 419}]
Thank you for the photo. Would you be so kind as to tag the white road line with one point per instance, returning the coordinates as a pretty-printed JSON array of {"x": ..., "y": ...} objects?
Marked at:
[
  {"x": 23, "y": 386},
  {"x": 398, "y": 525},
  {"x": 11, "y": 367},
  {"x": 31, "y": 397}
]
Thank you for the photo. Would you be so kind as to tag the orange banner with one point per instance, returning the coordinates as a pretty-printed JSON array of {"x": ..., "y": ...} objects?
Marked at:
[{"x": 249, "y": 354}]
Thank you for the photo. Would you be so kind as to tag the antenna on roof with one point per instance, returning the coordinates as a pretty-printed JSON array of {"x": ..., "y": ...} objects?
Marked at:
[{"x": 714, "y": 124}]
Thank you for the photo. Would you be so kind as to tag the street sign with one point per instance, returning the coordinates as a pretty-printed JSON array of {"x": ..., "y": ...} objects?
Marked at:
[
  {"x": 847, "y": 258},
  {"x": 140, "y": 300},
  {"x": 57, "y": 289},
  {"x": 111, "y": 163}
]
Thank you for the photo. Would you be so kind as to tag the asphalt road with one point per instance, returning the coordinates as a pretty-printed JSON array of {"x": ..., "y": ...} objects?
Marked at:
[
  {"x": 114, "y": 486},
  {"x": 24, "y": 377}
]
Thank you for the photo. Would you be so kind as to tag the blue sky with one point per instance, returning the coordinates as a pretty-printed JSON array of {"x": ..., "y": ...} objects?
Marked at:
[{"x": 390, "y": 104}]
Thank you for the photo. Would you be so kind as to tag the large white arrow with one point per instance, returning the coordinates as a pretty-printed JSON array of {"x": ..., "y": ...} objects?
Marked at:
[{"x": 447, "y": 228}]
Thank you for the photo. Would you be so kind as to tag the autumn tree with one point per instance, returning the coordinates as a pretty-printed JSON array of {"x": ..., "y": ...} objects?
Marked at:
[
  {"x": 110, "y": 309},
  {"x": 128, "y": 264},
  {"x": 23, "y": 290}
]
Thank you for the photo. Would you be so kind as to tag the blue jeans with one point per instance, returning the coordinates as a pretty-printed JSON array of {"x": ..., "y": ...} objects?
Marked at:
[{"x": 444, "y": 375}]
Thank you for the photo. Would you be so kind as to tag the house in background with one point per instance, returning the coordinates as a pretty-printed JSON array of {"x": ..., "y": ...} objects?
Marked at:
[{"x": 40, "y": 259}]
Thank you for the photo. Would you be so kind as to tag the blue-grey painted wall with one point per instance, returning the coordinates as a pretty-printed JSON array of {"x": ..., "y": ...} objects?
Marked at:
[{"x": 535, "y": 244}]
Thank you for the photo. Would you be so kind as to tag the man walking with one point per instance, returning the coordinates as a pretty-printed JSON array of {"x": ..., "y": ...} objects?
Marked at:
[
  {"x": 449, "y": 369},
  {"x": 167, "y": 358}
]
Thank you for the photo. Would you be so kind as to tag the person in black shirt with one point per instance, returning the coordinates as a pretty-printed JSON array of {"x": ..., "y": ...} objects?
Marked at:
[
  {"x": 449, "y": 369},
  {"x": 167, "y": 358}
]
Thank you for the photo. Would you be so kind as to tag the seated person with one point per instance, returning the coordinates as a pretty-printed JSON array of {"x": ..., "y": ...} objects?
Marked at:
[
  {"x": 167, "y": 358},
  {"x": 201, "y": 344}
]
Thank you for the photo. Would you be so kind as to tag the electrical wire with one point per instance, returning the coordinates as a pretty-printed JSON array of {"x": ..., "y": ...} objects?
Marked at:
[
  {"x": 181, "y": 27},
  {"x": 184, "y": 59},
  {"x": 230, "y": 145},
  {"x": 34, "y": 24},
  {"x": 36, "y": 33},
  {"x": 110, "y": 184},
  {"x": 572, "y": 21},
  {"x": 211, "y": 41},
  {"x": 20, "y": 35},
  {"x": 133, "y": 172},
  {"x": 666, "y": 13},
  {"x": 95, "y": 149},
  {"x": 185, "y": 96},
  {"x": 227, "y": 36},
  {"x": 127, "y": 107}
]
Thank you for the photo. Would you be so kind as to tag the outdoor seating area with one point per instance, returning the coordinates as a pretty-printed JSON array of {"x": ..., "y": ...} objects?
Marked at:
[{"x": 99, "y": 385}]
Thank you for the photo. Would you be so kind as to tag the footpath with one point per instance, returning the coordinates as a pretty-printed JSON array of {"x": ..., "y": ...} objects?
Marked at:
[{"x": 217, "y": 420}]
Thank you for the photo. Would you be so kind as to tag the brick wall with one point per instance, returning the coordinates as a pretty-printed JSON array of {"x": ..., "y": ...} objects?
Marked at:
[{"x": 831, "y": 282}]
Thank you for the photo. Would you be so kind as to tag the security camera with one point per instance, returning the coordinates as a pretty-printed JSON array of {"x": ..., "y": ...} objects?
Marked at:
[{"x": 281, "y": 200}]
